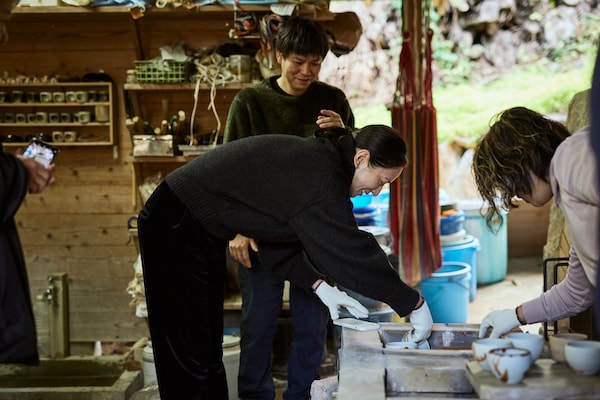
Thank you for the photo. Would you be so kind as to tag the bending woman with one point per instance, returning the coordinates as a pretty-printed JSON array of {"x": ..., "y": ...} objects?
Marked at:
[{"x": 291, "y": 195}]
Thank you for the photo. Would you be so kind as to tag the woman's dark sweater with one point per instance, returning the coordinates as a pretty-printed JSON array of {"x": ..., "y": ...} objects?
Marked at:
[{"x": 291, "y": 195}]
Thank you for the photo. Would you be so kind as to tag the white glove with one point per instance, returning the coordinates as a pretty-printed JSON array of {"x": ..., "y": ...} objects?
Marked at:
[
  {"x": 333, "y": 298},
  {"x": 422, "y": 323},
  {"x": 501, "y": 320}
]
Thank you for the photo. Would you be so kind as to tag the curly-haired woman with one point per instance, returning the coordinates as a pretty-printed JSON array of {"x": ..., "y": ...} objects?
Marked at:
[{"x": 527, "y": 155}]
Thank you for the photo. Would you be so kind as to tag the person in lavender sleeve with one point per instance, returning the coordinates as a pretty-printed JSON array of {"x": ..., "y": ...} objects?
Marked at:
[
  {"x": 527, "y": 155},
  {"x": 595, "y": 138}
]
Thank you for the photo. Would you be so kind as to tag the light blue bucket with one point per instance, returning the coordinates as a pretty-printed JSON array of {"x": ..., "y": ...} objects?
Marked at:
[
  {"x": 464, "y": 250},
  {"x": 447, "y": 292},
  {"x": 492, "y": 260}
]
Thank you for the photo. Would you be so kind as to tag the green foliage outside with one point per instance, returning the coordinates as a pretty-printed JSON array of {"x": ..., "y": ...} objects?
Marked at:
[
  {"x": 464, "y": 110},
  {"x": 465, "y": 105}
]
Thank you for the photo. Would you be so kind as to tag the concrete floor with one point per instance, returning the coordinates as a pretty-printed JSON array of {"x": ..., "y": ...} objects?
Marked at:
[{"x": 523, "y": 281}]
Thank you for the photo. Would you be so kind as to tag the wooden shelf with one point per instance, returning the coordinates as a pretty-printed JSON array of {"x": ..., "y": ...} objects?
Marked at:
[
  {"x": 166, "y": 160},
  {"x": 125, "y": 10},
  {"x": 60, "y": 144},
  {"x": 182, "y": 86},
  {"x": 90, "y": 133}
]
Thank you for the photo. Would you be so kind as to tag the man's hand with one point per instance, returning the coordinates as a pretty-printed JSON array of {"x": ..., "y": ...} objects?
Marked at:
[
  {"x": 238, "y": 247},
  {"x": 333, "y": 298},
  {"x": 329, "y": 119}
]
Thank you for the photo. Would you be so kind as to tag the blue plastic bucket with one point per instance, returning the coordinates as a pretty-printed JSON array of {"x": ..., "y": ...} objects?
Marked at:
[
  {"x": 447, "y": 292},
  {"x": 492, "y": 259},
  {"x": 464, "y": 250}
]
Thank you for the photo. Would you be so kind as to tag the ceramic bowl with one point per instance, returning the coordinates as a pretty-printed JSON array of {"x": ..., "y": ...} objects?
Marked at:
[
  {"x": 401, "y": 345},
  {"x": 482, "y": 347},
  {"x": 557, "y": 344},
  {"x": 583, "y": 356},
  {"x": 533, "y": 343},
  {"x": 509, "y": 365}
]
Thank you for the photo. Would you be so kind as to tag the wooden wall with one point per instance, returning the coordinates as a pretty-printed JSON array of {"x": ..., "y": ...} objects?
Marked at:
[{"x": 79, "y": 225}]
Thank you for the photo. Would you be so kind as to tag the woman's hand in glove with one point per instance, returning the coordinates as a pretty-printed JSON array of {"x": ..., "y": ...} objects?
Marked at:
[
  {"x": 333, "y": 298},
  {"x": 501, "y": 320},
  {"x": 422, "y": 323}
]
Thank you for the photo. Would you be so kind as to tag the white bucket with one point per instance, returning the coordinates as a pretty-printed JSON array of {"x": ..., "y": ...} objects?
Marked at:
[
  {"x": 231, "y": 360},
  {"x": 148, "y": 368}
]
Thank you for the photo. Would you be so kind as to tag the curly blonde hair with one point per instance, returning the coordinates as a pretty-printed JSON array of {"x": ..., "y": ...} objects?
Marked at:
[{"x": 519, "y": 142}]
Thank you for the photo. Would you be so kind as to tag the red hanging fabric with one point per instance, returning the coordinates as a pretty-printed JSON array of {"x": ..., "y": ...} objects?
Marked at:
[{"x": 414, "y": 206}]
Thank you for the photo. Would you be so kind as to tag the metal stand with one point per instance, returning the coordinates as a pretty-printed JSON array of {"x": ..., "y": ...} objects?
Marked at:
[{"x": 553, "y": 264}]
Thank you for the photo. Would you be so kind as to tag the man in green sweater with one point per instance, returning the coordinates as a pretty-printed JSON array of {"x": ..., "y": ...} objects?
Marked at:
[{"x": 294, "y": 103}]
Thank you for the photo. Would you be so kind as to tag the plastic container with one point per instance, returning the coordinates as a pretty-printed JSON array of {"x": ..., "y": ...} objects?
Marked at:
[
  {"x": 161, "y": 71},
  {"x": 447, "y": 292},
  {"x": 365, "y": 216},
  {"x": 363, "y": 200},
  {"x": 148, "y": 369},
  {"x": 231, "y": 360},
  {"x": 492, "y": 259},
  {"x": 382, "y": 203},
  {"x": 452, "y": 223},
  {"x": 464, "y": 250}
]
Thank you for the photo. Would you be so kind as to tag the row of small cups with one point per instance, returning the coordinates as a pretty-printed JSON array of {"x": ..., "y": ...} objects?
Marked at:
[
  {"x": 509, "y": 358},
  {"x": 66, "y": 136},
  {"x": 42, "y": 117},
  {"x": 71, "y": 96}
]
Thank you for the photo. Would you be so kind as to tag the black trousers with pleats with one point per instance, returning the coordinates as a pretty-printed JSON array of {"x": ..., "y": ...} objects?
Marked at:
[{"x": 184, "y": 271}]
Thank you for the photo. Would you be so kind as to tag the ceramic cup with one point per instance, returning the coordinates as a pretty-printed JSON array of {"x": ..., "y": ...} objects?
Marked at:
[
  {"x": 9, "y": 118},
  {"x": 533, "y": 343},
  {"x": 509, "y": 365},
  {"x": 31, "y": 118},
  {"x": 82, "y": 96},
  {"x": 32, "y": 97},
  {"x": 71, "y": 96},
  {"x": 401, "y": 345},
  {"x": 17, "y": 96},
  {"x": 65, "y": 117},
  {"x": 58, "y": 97},
  {"x": 85, "y": 117},
  {"x": 42, "y": 117},
  {"x": 92, "y": 95},
  {"x": 58, "y": 136},
  {"x": 20, "y": 118},
  {"x": 103, "y": 95},
  {"x": 45, "y": 97},
  {"x": 482, "y": 347},
  {"x": 583, "y": 356},
  {"x": 558, "y": 342},
  {"x": 70, "y": 136},
  {"x": 53, "y": 118}
]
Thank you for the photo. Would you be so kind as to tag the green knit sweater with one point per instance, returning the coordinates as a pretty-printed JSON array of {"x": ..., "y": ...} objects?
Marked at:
[{"x": 262, "y": 109}]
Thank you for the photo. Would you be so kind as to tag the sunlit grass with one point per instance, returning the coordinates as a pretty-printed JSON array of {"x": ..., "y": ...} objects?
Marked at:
[{"x": 465, "y": 110}]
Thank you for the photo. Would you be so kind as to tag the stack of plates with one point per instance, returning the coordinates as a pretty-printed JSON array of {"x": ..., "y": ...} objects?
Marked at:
[{"x": 365, "y": 215}]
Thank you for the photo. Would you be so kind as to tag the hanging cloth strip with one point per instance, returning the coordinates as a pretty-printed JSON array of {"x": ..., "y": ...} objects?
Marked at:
[{"x": 414, "y": 205}]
